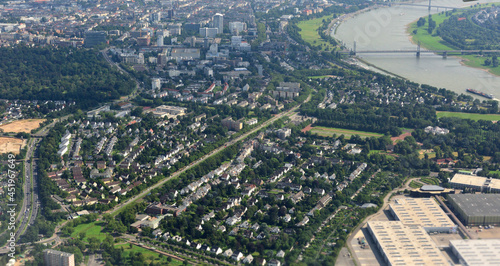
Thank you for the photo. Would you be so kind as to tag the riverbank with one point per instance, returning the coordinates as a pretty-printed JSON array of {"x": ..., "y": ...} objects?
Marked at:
[
  {"x": 380, "y": 69},
  {"x": 431, "y": 41}
]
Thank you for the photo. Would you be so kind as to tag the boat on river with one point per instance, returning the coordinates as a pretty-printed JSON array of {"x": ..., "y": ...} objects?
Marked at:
[{"x": 480, "y": 93}]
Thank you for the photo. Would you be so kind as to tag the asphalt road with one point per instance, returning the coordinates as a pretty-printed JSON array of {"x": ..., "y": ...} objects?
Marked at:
[{"x": 26, "y": 218}]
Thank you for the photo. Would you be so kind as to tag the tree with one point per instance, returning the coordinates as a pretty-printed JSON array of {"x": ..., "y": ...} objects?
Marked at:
[
  {"x": 94, "y": 244},
  {"x": 494, "y": 61},
  {"x": 421, "y": 22}
]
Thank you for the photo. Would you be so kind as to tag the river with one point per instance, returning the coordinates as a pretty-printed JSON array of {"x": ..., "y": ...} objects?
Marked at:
[{"x": 385, "y": 29}]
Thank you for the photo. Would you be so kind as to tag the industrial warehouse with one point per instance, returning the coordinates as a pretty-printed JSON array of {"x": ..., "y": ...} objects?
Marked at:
[
  {"x": 405, "y": 244},
  {"x": 475, "y": 183},
  {"x": 424, "y": 212},
  {"x": 476, "y": 209},
  {"x": 477, "y": 252}
]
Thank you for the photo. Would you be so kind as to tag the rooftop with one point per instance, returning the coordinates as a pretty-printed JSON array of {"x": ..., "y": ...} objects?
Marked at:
[
  {"x": 479, "y": 181},
  {"x": 477, "y": 251},
  {"x": 420, "y": 211},
  {"x": 431, "y": 188},
  {"x": 405, "y": 244},
  {"x": 478, "y": 204}
]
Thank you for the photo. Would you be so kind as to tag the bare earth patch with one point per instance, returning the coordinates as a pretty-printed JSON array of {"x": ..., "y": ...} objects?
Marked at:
[
  {"x": 11, "y": 145},
  {"x": 25, "y": 125}
]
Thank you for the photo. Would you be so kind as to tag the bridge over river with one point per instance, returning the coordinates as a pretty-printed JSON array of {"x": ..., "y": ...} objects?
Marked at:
[{"x": 419, "y": 51}]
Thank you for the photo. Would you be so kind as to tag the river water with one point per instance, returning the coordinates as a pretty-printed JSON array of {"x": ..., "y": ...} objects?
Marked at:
[{"x": 385, "y": 29}]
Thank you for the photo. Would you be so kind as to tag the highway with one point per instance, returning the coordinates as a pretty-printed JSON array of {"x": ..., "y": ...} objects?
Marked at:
[{"x": 30, "y": 205}]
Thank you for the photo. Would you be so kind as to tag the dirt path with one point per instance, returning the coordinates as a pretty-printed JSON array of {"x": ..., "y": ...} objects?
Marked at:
[
  {"x": 401, "y": 137},
  {"x": 307, "y": 128}
]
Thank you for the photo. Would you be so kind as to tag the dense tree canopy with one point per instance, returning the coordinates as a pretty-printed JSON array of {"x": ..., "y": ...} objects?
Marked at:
[{"x": 59, "y": 74}]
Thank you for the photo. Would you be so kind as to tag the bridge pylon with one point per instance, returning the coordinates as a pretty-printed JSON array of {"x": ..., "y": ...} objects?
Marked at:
[{"x": 418, "y": 49}]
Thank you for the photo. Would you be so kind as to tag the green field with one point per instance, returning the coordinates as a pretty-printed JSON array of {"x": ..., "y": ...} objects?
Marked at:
[
  {"x": 429, "y": 41},
  {"x": 489, "y": 117},
  {"x": 92, "y": 229},
  {"x": 477, "y": 61},
  {"x": 309, "y": 32},
  {"x": 148, "y": 254},
  {"x": 434, "y": 42},
  {"x": 328, "y": 132}
]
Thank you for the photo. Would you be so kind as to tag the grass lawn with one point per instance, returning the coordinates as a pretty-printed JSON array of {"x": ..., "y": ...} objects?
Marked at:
[
  {"x": 309, "y": 32},
  {"x": 490, "y": 117},
  {"x": 429, "y": 153},
  {"x": 148, "y": 254},
  {"x": 91, "y": 230},
  {"x": 328, "y": 132},
  {"x": 427, "y": 40},
  {"x": 434, "y": 42}
]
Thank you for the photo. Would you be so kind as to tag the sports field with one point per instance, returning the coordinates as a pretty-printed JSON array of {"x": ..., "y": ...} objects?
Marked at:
[
  {"x": 328, "y": 132},
  {"x": 489, "y": 117},
  {"x": 25, "y": 125}
]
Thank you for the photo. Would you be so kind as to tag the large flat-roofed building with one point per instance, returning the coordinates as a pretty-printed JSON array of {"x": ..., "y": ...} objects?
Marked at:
[
  {"x": 58, "y": 258},
  {"x": 165, "y": 110},
  {"x": 476, "y": 251},
  {"x": 424, "y": 212},
  {"x": 476, "y": 209},
  {"x": 180, "y": 54},
  {"x": 93, "y": 38},
  {"x": 405, "y": 244},
  {"x": 231, "y": 124},
  {"x": 475, "y": 183}
]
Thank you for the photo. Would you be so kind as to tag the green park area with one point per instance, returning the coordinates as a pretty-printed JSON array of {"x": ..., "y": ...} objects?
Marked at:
[
  {"x": 329, "y": 131},
  {"x": 149, "y": 256},
  {"x": 415, "y": 184},
  {"x": 489, "y": 117},
  {"x": 430, "y": 180},
  {"x": 91, "y": 230},
  {"x": 432, "y": 41},
  {"x": 309, "y": 32}
]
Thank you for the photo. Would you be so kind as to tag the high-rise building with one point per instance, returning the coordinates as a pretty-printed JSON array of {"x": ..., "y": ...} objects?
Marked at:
[
  {"x": 93, "y": 38},
  {"x": 159, "y": 38},
  {"x": 156, "y": 84},
  {"x": 218, "y": 21},
  {"x": 260, "y": 70},
  {"x": 156, "y": 17},
  {"x": 237, "y": 27},
  {"x": 58, "y": 258},
  {"x": 209, "y": 32},
  {"x": 235, "y": 42}
]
